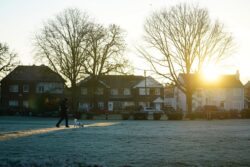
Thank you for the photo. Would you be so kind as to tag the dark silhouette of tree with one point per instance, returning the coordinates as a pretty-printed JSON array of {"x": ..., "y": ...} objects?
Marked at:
[
  {"x": 181, "y": 40},
  {"x": 104, "y": 54},
  {"x": 62, "y": 43},
  {"x": 8, "y": 59},
  {"x": 76, "y": 47}
]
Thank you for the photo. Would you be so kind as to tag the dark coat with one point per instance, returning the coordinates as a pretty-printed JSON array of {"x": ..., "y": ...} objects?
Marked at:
[{"x": 64, "y": 107}]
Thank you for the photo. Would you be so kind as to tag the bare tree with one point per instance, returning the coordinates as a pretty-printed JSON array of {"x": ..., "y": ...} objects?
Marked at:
[
  {"x": 181, "y": 40},
  {"x": 76, "y": 47},
  {"x": 8, "y": 59},
  {"x": 62, "y": 43},
  {"x": 104, "y": 53}
]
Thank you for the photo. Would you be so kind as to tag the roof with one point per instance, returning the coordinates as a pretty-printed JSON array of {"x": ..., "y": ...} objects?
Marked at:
[
  {"x": 247, "y": 85},
  {"x": 223, "y": 81},
  {"x": 117, "y": 81},
  {"x": 33, "y": 73},
  {"x": 149, "y": 82}
]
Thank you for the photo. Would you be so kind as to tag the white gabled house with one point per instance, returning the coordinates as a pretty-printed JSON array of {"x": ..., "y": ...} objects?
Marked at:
[{"x": 226, "y": 93}]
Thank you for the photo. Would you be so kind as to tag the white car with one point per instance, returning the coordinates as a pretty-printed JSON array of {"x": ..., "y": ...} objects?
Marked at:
[{"x": 150, "y": 110}]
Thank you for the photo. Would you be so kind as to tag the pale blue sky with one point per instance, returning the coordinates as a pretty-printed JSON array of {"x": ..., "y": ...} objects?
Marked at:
[{"x": 21, "y": 18}]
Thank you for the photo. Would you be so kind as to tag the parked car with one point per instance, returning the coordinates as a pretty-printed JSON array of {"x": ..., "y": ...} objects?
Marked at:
[{"x": 150, "y": 110}]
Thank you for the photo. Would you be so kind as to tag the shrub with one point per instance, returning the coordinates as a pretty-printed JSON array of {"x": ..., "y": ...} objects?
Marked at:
[
  {"x": 245, "y": 113},
  {"x": 174, "y": 115},
  {"x": 140, "y": 116},
  {"x": 196, "y": 115},
  {"x": 157, "y": 116},
  {"x": 125, "y": 116},
  {"x": 90, "y": 116}
]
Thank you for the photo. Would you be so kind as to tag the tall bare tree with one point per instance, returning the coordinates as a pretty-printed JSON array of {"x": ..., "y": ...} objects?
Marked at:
[
  {"x": 181, "y": 40},
  {"x": 104, "y": 53},
  {"x": 76, "y": 47},
  {"x": 8, "y": 59},
  {"x": 62, "y": 43}
]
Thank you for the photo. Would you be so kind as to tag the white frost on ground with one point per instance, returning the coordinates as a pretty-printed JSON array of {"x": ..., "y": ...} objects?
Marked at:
[{"x": 126, "y": 143}]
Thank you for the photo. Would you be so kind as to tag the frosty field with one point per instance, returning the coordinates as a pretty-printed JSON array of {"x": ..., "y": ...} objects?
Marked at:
[{"x": 115, "y": 143}]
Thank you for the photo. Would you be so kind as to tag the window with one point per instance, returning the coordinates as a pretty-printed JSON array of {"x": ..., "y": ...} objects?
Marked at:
[
  {"x": 114, "y": 92},
  {"x": 84, "y": 91},
  {"x": 40, "y": 89},
  {"x": 13, "y": 88},
  {"x": 157, "y": 91},
  {"x": 101, "y": 105},
  {"x": 26, "y": 104},
  {"x": 142, "y": 104},
  {"x": 222, "y": 104},
  {"x": 84, "y": 106},
  {"x": 126, "y": 91},
  {"x": 99, "y": 91},
  {"x": 13, "y": 103},
  {"x": 25, "y": 88},
  {"x": 142, "y": 91}
]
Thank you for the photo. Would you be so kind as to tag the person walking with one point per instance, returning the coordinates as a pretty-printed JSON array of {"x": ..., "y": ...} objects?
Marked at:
[{"x": 63, "y": 112}]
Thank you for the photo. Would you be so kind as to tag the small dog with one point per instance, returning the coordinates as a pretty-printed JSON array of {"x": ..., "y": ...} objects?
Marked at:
[{"x": 78, "y": 124}]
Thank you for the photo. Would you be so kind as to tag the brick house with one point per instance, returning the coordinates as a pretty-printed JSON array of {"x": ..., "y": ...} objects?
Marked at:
[
  {"x": 31, "y": 89},
  {"x": 118, "y": 92}
]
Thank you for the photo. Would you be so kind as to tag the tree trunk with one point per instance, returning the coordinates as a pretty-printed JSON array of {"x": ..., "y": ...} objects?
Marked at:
[
  {"x": 189, "y": 102},
  {"x": 74, "y": 100},
  {"x": 94, "y": 96},
  {"x": 189, "y": 91}
]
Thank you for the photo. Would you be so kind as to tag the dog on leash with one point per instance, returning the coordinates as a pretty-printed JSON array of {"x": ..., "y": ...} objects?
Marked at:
[{"x": 78, "y": 124}]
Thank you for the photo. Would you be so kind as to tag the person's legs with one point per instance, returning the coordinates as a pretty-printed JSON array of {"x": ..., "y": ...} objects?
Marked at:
[
  {"x": 60, "y": 120},
  {"x": 66, "y": 121}
]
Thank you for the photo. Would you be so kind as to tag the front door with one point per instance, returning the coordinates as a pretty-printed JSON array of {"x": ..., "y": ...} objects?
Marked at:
[
  {"x": 158, "y": 106},
  {"x": 110, "y": 106}
]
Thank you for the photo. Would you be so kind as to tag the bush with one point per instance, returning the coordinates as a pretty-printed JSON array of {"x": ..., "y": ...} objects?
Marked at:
[
  {"x": 157, "y": 116},
  {"x": 245, "y": 113},
  {"x": 125, "y": 116},
  {"x": 196, "y": 115},
  {"x": 140, "y": 116},
  {"x": 174, "y": 115},
  {"x": 130, "y": 108},
  {"x": 90, "y": 116}
]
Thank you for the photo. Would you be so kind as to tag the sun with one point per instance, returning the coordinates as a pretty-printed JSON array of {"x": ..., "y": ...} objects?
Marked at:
[{"x": 210, "y": 73}]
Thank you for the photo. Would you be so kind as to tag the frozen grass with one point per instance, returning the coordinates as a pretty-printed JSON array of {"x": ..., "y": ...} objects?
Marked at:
[{"x": 126, "y": 143}]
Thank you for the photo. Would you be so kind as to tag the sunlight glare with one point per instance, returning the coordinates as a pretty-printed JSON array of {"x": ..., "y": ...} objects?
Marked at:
[{"x": 210, "y": 73}]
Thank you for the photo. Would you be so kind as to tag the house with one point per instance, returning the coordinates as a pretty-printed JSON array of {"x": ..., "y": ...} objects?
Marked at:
[
  {"x": 226, "y": 93},
  {"x": 119, "y": 92},
  {"x": 169, "y": 97},
  {"x": 247, "y": 94},
  {"x": 31, "y": 89}
]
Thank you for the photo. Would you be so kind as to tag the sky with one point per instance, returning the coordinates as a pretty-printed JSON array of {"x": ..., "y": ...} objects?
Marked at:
[{"x": 21, "y": 19}]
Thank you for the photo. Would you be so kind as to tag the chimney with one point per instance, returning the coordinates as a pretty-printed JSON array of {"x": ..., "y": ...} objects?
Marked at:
[{"x": 237, "y": 75}]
